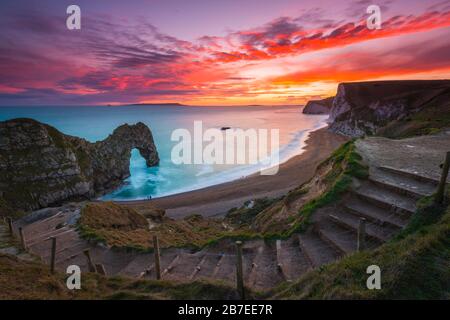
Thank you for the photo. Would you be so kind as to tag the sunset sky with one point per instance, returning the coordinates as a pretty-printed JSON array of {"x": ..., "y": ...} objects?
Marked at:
[{"x": 210, "y": 52}]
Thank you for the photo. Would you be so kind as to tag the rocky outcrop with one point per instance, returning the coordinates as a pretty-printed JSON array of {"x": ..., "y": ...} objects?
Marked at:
[
  {"x": 40, "y": 166},
  {"x": 319, "y": 106},
  {"x": 362, "y": 108}
]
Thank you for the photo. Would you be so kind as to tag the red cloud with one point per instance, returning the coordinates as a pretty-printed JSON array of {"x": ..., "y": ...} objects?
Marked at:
[{"x": 273, "y": 42}]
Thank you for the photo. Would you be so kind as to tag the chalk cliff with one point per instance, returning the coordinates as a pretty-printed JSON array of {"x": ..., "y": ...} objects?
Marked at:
[
  {"x": 40, "y": 166},
  {"x": 319, "y": 106},
  {"x": 362, "y": 108}
]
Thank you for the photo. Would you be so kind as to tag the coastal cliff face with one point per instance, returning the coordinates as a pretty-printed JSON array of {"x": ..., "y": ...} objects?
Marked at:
[
  {"x": 40, "y": 166},
  {"x": 362, "y": 108},
  {"x": 319, "y": 106}
]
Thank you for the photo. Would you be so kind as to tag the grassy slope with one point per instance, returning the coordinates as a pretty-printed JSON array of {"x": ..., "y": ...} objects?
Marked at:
[
  {"x": 116, "y": 225},
  {"x": 335, "y": 177},
  {"x": 345, "y": 165},
  {"x": 122, "y": 226},
  {"x": 428, "y": 121},
  {"x": 415, "y": 265}
]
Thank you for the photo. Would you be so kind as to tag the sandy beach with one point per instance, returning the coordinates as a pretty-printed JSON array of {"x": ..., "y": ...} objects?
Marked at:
[{"x": 216, "y": 200}]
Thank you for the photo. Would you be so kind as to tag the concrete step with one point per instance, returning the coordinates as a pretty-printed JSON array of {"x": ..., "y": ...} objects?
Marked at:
[
  {"x": 69, "y": 256},
  {"x": 145, "y": 266},
  {"x": 225, "y": 268},
  {"x": 410, "y": 174},
  {"x": 167, "y": 271},
  {"x": 114, "y": 260},
  {"x": 64, "y": 239},
  {"x": 265, "y": 272},
  {"x": 66, "y": 250},
  {"x": 47, "y": 223},
  {"x": 207, "y": 266},
  {"x": 183, "y": 268},
  {"x": 41, "y": 228},
  {"x": 350, "y": 222},
  {"x": 386, "y": 199},
  {"x": 198, "y": 267},
  {"x": 140, "y": 264},
  {"x": 73, "y": 256},
  {"x": 316, "y": 251},
  {"x": 375, "y": 214},
  {"x": 402, "y": 184},
  {"x": 45, "y": 236},
  {"x": 340, "y": 239},
  {"x": 290, "y": 259}
]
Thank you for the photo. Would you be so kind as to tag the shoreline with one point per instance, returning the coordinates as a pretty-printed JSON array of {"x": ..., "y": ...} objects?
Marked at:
[
  {"x": 242, "y": 175},
  {"x": 216, "y": 200}
]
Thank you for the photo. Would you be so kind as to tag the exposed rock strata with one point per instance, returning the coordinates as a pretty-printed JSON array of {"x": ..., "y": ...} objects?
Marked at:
[
  {"x": 362, "y": 108},
  {"x": 40, "y": 166}
]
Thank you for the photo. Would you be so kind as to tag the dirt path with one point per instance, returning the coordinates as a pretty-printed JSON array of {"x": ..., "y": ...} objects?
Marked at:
[{"x": 419, "y": 155}]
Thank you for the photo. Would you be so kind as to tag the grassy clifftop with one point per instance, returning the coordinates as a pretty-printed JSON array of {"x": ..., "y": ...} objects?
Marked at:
[
  {"x": 428, "y": 121},
  {"x": 122, "y": 226}
]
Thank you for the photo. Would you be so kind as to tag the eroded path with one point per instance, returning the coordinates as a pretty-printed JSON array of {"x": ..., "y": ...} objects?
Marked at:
[{"x": 401, "y": 172}]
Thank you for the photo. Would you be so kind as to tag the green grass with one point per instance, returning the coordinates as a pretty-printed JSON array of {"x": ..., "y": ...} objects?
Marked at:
[
  {"x": 244, "y": 216},
  {"x": 430, "y": 120},
  {"x": 346, "y": 165},
  {"x": 6, "y": 210}
]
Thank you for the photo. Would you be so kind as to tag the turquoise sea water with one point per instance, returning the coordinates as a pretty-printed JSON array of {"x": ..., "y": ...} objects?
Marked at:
[{"x": 97, "y": 122}]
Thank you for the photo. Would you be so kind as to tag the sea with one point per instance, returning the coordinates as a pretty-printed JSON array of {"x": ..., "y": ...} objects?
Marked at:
[{"x": 97, "y": 122}]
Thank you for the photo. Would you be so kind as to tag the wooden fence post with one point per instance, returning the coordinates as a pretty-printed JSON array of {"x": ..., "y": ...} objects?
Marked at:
[
  {"x": 53, "y": 255},
  {"x": 10, "y": 225},
  {"x": 90, "y": 263},
  {"x": 441, "y": 188},
  {"x": 157, "y": 257},
  {"x": 239, "y": 271},
  {"x": 361, "y": 242},
  {"x": 22, "y": 239}
]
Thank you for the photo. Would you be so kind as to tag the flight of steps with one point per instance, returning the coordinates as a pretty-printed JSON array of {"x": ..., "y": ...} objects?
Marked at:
[{"x": 386, "y": 200}]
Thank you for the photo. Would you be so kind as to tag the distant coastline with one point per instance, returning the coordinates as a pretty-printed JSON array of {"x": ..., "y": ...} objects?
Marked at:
[
  {"x": 177, "y": 104},
  {"x": 171, "y": 104}
]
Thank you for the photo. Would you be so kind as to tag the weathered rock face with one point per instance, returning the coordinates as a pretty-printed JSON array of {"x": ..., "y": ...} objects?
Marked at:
[
  {"x": 362, "y": 108},
  {"x": 319, "y": 106},
  {"x": 40, "y": 166}
]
